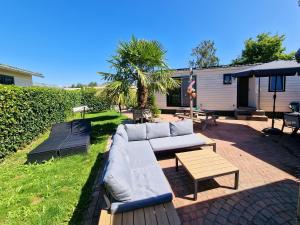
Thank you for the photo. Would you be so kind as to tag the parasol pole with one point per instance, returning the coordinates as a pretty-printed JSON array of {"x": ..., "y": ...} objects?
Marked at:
[
  {"x": 191, "y": 98},
  {"x": 274, "y": 102}
]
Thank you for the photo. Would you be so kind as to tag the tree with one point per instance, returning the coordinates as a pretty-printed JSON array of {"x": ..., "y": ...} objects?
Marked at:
[
  {"x": 265, "y": 48},
  {"x": 204, "y": 55},
  {"x": 92, "y": 84},
  {"x": 139, "y": 63}
]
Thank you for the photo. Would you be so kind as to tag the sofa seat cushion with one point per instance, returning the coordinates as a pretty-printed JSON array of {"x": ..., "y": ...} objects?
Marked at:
[
  {"x": 140, "y": 154},
  {"x": 158, "y": 130},
  {"x": 150, "y": 187},
  {"x": 176, "y": 142}
]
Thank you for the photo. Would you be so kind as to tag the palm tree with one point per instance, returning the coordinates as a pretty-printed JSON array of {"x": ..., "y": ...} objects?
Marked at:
[{"x": 141, "y": 63}]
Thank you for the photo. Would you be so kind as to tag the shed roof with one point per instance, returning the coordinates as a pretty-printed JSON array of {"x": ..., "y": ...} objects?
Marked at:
[{"x": 27, "y": 72}]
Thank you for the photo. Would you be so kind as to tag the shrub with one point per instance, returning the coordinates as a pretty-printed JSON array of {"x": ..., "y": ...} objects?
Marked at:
[
  {"x": 94, "y": 99},
  {"x": 153, "y": 106},
  {"x": 25, "y": 112}
]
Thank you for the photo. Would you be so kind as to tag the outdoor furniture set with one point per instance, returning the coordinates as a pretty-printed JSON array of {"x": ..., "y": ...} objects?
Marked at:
[
  {"x": 292, "y": 119},
  {"x": 205, "y": 117},
  {"x": 66, "y": 138},
  {"x": 132, "y": 178}
]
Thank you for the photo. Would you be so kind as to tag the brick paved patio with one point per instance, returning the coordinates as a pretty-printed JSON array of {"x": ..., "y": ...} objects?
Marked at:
[{"x": 268, "y": 189}]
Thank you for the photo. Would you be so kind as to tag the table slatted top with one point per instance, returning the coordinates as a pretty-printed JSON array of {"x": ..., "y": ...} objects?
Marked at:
[
  {"x": 203, "y": 164},
  {"x": 163, "y": 214}
]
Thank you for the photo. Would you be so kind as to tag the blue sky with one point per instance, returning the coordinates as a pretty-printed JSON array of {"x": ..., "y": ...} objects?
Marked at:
[{"x": 68, "y": 41}]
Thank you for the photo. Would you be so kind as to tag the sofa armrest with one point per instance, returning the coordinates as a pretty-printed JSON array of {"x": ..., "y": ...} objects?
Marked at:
[{"x": 208, "y": 141}]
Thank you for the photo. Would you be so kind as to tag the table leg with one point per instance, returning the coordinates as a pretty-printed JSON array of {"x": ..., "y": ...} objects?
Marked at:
[
  {"x": 176, "y": 160},
  {"x": 215, "y": 147},
  {"x": 196, "y": 190},
  {"x": 236, "y": 178}
]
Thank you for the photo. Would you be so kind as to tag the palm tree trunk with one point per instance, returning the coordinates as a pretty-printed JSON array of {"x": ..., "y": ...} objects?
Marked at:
[{"x": 142, "y": 95}]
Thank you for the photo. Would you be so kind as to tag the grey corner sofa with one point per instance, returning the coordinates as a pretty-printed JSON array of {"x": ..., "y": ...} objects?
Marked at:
[{"x": 132, "y": 177}]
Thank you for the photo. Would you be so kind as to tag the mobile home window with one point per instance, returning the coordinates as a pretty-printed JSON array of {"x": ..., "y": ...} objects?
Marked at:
[
  {"x": 4, "y": 79},
  {"x": 227, "y": 79},
  {"x": 279, "y": 86}
]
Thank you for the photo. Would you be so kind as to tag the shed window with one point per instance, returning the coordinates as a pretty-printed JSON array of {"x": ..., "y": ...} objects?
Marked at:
[
  {"x": 227, "y": 79},
  {"x": 4, "y": 79},
  {"x": 279, "y": 85},
  {"x": 178, "y": 97}
]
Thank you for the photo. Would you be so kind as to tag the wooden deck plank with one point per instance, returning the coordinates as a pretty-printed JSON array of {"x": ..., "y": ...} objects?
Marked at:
[
  {"x": 117, "y": 219},
  {"x": 172, "y": 214},
  {"x": 150, "y": 217},
  {"x": 105, "y": 218},
  {"x": 139, "y": 217},
  {"x": 128, "y": 218},
  {"x": 161, "y": 215}
]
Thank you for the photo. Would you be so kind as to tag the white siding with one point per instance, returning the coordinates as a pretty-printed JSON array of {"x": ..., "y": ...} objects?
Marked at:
[
  {"x": 211, "y": 92},
  {"x": 23, "y": 81},
  {"x": 292, "y": 93},
  {"x": 252, "y": 92}
]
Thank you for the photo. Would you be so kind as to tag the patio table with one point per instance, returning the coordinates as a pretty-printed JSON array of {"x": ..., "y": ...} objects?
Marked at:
[{"x": 204, "y": 165}]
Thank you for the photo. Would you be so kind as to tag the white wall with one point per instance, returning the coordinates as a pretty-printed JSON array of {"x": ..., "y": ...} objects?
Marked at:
[
  {"x": 252, "y": 92},
  {"x": 23, "y": 81},
  {"x": 292, "y": 93}
]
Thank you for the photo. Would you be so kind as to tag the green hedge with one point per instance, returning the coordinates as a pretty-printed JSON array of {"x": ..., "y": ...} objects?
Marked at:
[
  {"x": 95, "y": 99},
  {"x": 26, "y": 112}
]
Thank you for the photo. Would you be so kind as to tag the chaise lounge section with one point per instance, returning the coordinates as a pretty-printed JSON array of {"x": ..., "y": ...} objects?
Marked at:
[{"x": 132, "y": 177}]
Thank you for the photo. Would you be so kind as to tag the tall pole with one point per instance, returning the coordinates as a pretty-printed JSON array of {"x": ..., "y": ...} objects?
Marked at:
[
  {"x": 274, "y": 102},
  {"x": 191, "y": 98}
]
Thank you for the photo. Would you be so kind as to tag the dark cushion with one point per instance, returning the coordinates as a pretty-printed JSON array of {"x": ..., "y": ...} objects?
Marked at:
[
  {"x": 182, "y": 127},
  {"x": 176, "y": 142},
  {"x": 136, "y": 132},
  {"x": 157, "y": 130}
]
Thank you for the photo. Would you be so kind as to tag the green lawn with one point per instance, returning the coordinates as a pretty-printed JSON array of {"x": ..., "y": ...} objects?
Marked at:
[{"x": 55, "y": 192}]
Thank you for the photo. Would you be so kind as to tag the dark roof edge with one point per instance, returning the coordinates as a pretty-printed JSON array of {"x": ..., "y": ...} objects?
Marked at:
[{"x": 217, "y": 67}]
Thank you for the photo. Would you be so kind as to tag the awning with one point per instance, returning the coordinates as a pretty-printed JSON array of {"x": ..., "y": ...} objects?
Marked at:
[{"x": 281, "y": 67}]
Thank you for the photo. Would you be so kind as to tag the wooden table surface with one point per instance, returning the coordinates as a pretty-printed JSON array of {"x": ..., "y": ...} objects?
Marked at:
[{"x": 205, "y": 164}]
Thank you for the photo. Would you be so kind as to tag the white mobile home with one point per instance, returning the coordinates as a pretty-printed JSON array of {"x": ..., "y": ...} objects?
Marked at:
[
  {"x": 16, "y": 76},
  {"x": 217, "y": 90}
]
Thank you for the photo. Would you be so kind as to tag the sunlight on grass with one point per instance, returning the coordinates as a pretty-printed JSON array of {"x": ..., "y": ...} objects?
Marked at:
[{"x": 58, "y": 190}]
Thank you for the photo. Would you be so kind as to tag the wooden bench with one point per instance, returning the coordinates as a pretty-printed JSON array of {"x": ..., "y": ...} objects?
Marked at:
[{"x": 163, "y": 214}]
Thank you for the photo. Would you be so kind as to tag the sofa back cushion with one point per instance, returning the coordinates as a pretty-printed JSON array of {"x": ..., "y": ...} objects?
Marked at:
[
  {"x": 182, "y": 127},
  {"x": 122, "y": 132},
  {"x": 119, "y": 146},
  {"x": 158, "y": 130},
  {"x": 136, "y": 132},
  {"x": 118, "y": 178}
]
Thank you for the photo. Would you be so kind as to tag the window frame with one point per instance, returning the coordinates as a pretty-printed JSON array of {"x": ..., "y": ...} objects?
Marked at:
[
  {"x": 283, "y": 84},
  {"x": 3, "y": 79},
  {"x": 227, "y": 75}
]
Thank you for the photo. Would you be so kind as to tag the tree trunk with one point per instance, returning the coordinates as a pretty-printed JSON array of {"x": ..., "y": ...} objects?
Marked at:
[
  {"x": 120, "y": 107},
  {"x": 142, "y": 95}
]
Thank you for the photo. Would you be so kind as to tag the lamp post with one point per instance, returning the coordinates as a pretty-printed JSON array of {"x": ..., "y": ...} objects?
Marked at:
[{"x": 191, "y": 98}]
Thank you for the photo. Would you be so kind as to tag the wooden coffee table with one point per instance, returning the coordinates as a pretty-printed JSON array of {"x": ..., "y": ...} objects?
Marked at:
[{"x": 205, "y": 164}]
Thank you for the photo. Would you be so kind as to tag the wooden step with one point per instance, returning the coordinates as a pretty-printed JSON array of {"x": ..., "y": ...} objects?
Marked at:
[{"x": 252, "y": 117}]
